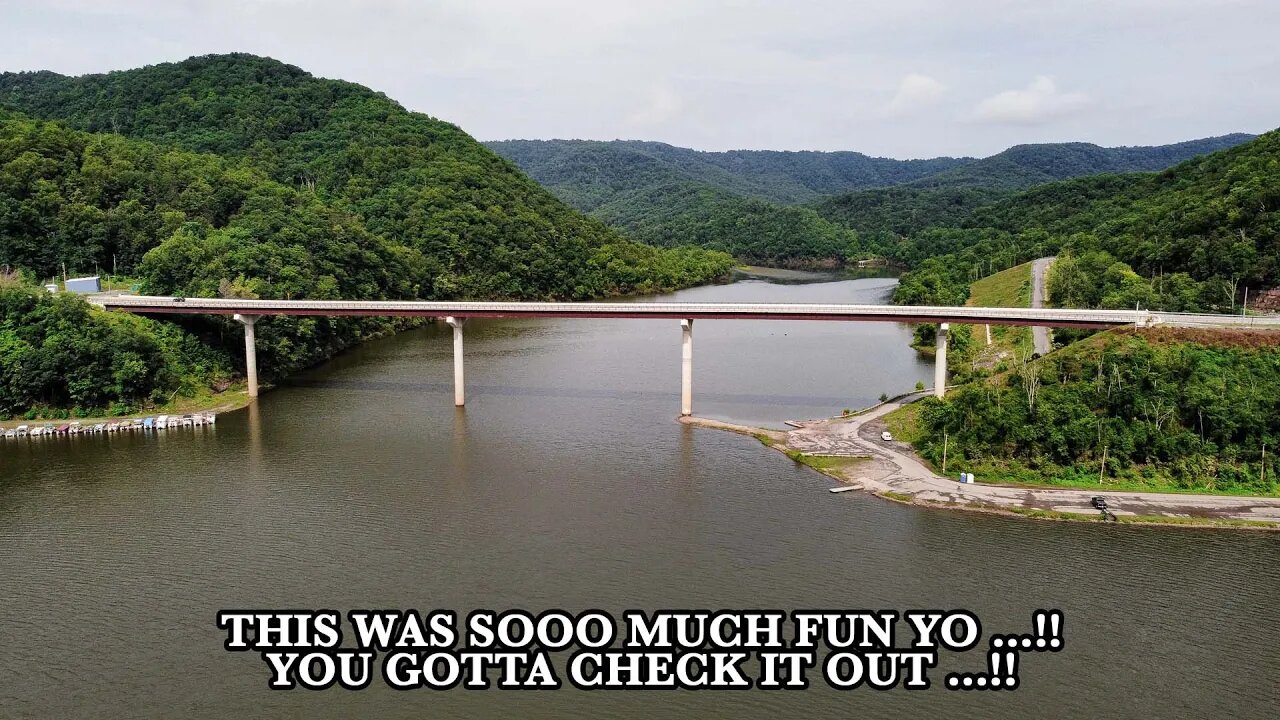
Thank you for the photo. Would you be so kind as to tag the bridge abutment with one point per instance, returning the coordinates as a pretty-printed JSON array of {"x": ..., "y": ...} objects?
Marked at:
[
  {"x": 250, "y": 352},
  {"x": 459, "y": 386},
  {"x": 940, "y": 361},
  {"x": 686, "y": 367}
]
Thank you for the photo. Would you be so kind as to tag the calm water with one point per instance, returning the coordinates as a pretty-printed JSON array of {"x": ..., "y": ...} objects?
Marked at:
[{"x": 566, "y": 483}]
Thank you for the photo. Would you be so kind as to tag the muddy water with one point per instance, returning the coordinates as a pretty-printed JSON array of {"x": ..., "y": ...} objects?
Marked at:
[{"x": 566, "y": 483}]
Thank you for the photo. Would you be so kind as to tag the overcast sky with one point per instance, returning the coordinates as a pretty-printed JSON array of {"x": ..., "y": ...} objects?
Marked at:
[{"x": 900, "y": 78}]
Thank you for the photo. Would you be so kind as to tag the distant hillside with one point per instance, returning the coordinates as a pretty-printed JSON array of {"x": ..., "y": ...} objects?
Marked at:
[
  {"x": 669, "y": 195},
  {"x": 753, "y": 230},
  {"x": 778, "y": 176},
  {"x": 1023, "y": 166},
  {"x": 947, "y": 198},
  {"x": 904, "y": 210}
]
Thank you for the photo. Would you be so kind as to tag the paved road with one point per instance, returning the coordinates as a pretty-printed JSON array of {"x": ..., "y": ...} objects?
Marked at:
[
  {"x": 895, "y": 468},
  {"x": 1040, "y": 335},
  {"x": 963, "y": 315}
]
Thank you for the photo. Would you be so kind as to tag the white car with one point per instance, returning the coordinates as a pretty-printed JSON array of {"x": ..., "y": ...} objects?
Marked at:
[{"x": 886, "y": 436}]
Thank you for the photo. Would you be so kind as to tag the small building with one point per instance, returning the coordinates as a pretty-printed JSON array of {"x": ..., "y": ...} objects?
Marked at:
[
  {"x": 84, "y": 285},
  {"x": 52, "y": 288}
]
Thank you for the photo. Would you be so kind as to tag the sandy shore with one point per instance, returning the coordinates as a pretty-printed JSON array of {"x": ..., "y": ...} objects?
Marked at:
[{"x": 893, "y": 471}]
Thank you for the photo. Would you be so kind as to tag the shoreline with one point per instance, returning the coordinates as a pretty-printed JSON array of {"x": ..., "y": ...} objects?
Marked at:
[
  {"x": 233, "y": 398},
  {"x": 892, "y": 471}
]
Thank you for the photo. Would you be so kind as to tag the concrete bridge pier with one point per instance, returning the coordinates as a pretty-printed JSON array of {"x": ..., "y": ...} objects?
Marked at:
[
  {"x": 459, "y": 387},
  {"x": 250, "y": 352},
  {"x": 940, "y": 361},
  {"x": 686, "y": 367}
]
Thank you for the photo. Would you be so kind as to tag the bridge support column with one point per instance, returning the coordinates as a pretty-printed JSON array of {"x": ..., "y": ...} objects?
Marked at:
[
  {"x": 940, "y": 362},
  {"x": 686, "y": 367},
  {"x": 459, "y": 387},
  {"x": 250, "y": 353}
]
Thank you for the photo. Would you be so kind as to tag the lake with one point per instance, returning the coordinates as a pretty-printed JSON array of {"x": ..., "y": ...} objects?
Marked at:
[{"x": 567, "y": 483}]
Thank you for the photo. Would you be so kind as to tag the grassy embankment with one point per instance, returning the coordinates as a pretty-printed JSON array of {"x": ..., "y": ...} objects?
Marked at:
[{"x": 1007, "y": 288}]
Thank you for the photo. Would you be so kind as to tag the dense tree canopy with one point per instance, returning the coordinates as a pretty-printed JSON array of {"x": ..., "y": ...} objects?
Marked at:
[
  {"x": 731, "y": 200},
  {"x": 655, "y": 194},
  {"x": 1023, "y": 166},
  {"x": 57, "y": 352},
  {"x": 256, "y": 180},
  {"x": 1191, "y": 238},
  {"x": 1167, "y": 408},
  {"x": 482, "y": 228},
  {"x": 575, "y": 168}
]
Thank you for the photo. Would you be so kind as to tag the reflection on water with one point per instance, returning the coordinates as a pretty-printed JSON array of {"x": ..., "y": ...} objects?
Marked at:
[{"x": 567, "y": 483}]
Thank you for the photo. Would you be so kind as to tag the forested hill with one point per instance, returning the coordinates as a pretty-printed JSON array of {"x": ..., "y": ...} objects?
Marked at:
[
  {"x": 1023, "y": 166},
  {"x": 484, "y": 229},
  {"x": 634, "y": 187},
  {"x": 240, "y": 176},
  {"x": 586, "y": 167},
  {"x": 736, "y": 201},
  {"x": 1213, "y": 216},
  {"x": 1190, "y": 238},
  {"x": 947, "y": 198}
]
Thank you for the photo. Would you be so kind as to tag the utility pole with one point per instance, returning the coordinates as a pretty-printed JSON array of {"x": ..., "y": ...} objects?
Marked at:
[
  {"x": 1103, "y": 469},
  {"x": 944, "y": 452}
]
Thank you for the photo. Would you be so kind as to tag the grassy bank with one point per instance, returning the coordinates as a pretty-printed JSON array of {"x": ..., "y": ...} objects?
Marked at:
[
  {"x": 1007, "y": 288},
  {"x": 233, "y": 398}
]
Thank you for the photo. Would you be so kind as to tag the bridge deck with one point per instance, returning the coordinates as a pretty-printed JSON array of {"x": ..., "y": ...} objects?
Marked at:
[{"x": 1050, "y": 317}]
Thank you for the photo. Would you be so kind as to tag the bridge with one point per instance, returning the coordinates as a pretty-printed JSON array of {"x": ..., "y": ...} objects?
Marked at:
[{"x": 247, "y": 312}]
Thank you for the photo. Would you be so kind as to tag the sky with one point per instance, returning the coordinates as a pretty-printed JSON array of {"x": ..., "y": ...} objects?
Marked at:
[{"x": 898, "y": 78}]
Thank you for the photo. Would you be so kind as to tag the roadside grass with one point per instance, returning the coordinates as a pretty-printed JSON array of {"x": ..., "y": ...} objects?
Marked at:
[
  {"x": 826, "y": 464},
  {"x": 904, "y": 423},
  {"x": 1007, "y": 288},
  {"x": 896, "y": 496}
]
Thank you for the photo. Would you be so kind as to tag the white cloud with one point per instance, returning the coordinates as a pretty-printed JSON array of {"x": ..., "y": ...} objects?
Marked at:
[
  {"x": 1038, "y": 103},
  {"x": 914, "y": 92},
  {"x": 661, "y": 107},
  {"x": 719, "y": 74}
]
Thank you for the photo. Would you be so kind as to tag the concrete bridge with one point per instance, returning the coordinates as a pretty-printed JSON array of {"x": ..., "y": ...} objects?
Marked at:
[{"x": 456, "y": 313}]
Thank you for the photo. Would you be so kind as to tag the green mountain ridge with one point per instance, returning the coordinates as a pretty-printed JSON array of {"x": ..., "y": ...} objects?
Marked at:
[
  {"x": 662, "y": 193},
  {"x": 1195, "y": 237},
  {"x": 632, "y": 187},
  {"x": 779, "y": 176},
  {"x": 484, "y": 228},
  {"x": 1023, "y": 166}
]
